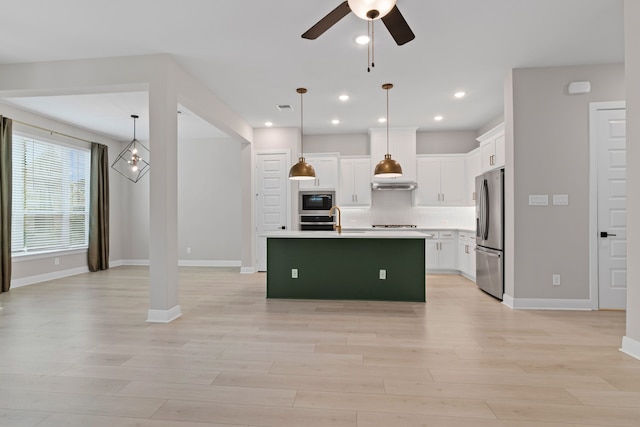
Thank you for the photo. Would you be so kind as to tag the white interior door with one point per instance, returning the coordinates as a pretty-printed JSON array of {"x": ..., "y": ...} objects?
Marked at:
[
  {"x": 271, "y": 200},
  {"x": 612, "y": 211}
]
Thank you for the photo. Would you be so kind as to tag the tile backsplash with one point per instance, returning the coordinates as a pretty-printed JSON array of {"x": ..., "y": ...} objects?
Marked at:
[{"x": 396, "y": 207}]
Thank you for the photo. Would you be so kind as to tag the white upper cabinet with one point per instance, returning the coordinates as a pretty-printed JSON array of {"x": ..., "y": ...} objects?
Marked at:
[
  {"x": 402, "y": 147},
  {"x": 355, "y": 181},
  {"x": 473, "y": 169},
  {"x": 326, "y": 167},
  {"x": 492, "y": 148},
  {"x": 441, "y": 181}
]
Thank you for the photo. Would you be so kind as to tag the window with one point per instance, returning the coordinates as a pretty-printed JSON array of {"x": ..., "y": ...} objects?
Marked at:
[{"x": 50, "y": 196}]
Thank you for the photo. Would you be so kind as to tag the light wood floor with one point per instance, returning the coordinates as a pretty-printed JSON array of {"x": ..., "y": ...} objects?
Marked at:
[{"x": 78, "y": 352}]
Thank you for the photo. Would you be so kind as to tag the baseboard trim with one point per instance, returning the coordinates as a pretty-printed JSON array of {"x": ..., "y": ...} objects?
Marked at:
[
  {"x": 546, "y": 304},
  {"x": 208, "y": 263},
  {"x": 143, "y": 262},
  {"x": 507, "y": 300},
  {"x": 38, "y": 278},
  {"x": 187, "y": 263},
  {"x": 631, "y": 347},
  {"x": 247, "y": 270},
  {"x": 164, "y": 316}
]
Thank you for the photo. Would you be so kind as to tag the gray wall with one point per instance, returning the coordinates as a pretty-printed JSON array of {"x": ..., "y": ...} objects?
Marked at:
[
  {"x": 446, "y": 142},
  {"x": 25, "y": 267},
  {"x": 551, "y": 156},
  {"x": 632, "y": 63},
  {"x": 209, "y": 197},
  {"x": 358, "y": 144}
]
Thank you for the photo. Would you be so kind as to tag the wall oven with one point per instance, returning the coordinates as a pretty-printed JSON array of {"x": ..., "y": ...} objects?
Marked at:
[
  {"x": 314, "y": 209},
  {"x": 316, "y": 222}
]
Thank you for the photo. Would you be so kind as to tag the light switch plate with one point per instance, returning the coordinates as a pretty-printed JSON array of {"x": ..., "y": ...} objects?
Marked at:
[
  {"x": 538, "y": 199},
  {"x": 560, "y": 199}
]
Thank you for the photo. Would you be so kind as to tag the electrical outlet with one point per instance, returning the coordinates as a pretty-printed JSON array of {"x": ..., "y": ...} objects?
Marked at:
[
  {"x": 56, "y": 261},
  {"x": 188, "y": 250},
  {"x": 383, "y": 274},
  {"x": 556, "y": 280},
  {"x": 294, "y": 273}
]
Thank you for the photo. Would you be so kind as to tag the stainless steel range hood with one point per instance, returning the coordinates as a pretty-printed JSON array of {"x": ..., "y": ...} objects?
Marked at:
[{"x": 406, "y": 186}]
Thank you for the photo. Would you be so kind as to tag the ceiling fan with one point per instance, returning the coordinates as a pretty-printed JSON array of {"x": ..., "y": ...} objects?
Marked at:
[{"x": 369, "y": 10}]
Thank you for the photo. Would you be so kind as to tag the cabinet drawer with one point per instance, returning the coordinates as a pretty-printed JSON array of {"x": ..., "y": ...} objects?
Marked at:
[{"x": 447, "y": 235}]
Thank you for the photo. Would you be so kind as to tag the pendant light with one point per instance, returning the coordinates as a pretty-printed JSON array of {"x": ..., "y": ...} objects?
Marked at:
[
  {"x": 387, "y": 168},
  {"x": 302, "y": 170},
  {"x": 133, "y": 161}
]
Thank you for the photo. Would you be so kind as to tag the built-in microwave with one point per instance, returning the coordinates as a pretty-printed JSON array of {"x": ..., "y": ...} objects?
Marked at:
[{"x": 316, "y": 202}]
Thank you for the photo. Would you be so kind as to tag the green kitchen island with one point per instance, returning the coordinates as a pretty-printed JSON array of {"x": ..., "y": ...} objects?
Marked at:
[{"x": 356, "y": 265}]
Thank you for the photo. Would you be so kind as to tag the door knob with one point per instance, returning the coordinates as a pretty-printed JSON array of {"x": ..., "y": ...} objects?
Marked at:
[
  {"x": 283, "y": 227},
  {"x": 605, "y": 234}
]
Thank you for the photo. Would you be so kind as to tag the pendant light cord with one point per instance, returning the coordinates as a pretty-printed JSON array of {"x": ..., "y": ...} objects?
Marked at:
[
  {"x": 387, "y": 121},
  {"x": 369, "y": 46},
  {"x": 301, "y": 91}
]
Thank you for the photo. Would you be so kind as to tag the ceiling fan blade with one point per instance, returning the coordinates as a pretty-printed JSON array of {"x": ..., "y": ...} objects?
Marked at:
[
  {"x": 398, "y": 27},
  {"x": 328, "y": 21}
]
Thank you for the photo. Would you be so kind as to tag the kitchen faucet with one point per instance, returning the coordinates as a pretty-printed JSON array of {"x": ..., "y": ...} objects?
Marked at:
[{"x": 339, "y": 225}]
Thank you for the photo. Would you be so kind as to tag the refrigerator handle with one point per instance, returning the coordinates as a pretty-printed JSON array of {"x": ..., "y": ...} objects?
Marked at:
[
  {"x": 491, "y": 254},
  {"x": 485, "y": 210}
]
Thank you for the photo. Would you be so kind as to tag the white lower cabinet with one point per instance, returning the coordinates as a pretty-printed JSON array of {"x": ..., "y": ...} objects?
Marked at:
[
  {"x": 441, "y": 251},
  {"x": 467, "y": 254}
]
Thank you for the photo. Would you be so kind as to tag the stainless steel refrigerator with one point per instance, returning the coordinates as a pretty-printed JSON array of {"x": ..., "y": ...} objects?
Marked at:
[{"x": 490, "y": 232}]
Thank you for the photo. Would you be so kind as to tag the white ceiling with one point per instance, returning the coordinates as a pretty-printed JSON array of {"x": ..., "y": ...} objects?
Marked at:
[{"x": 251, "y": 55}]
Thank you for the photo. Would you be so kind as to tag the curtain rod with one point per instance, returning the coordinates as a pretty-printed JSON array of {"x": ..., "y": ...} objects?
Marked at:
[{"x": 52, "y": 131}]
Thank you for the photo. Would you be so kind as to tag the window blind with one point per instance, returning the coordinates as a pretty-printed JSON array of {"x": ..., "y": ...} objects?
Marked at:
[{"x": 50, "y": 196}]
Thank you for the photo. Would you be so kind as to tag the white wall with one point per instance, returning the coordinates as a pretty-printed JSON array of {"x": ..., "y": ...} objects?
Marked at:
[
  {"x": 631, "y": 342},
  {"x": 550, "y": 155}
]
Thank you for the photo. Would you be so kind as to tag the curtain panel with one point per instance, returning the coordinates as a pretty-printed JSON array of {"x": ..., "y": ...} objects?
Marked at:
[
  {"x": 5, "y": 203},
  {"x": 98, "y": 253}
]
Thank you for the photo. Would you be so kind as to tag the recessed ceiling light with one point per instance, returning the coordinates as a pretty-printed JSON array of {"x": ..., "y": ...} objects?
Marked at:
[
  {"x": 363, "y": 39},
  {"x": 268, "y": 124},
  {"x": 382, "y": 119},
  {"x": 460, "y": 94},
  {"x": 438, "y": 118},
  {"x": 335, "y": 121},
  {"x": 343, "y": 97}
]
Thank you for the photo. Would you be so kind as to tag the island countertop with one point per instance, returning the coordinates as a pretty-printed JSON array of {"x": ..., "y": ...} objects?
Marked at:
[{"x": 351, "y": 234}]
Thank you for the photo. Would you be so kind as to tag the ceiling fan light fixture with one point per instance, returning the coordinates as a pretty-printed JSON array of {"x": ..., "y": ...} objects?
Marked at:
[{"x": 364, "y": 8}]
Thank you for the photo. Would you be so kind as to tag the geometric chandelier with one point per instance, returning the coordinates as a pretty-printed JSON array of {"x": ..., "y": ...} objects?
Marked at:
[{"x": 133, "y": 161}]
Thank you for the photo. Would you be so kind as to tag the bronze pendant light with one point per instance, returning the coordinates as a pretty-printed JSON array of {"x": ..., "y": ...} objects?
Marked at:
[
  {"x": 387, "y": 168},
  {"x": 301, "y": 170}
]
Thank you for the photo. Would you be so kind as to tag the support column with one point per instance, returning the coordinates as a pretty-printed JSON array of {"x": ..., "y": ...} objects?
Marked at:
[
  {"x": 163, "y": 218},
  {"x": 248, "y": 210}
]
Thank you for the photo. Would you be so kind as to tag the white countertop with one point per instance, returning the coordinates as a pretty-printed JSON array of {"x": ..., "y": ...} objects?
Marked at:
[{"x": 350, "y": 234}]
